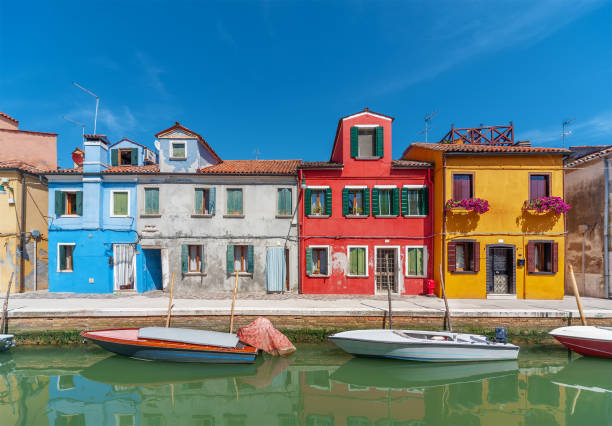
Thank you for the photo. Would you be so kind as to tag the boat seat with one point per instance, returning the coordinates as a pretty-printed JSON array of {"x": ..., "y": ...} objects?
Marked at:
[{"x": 186, "y": 335}]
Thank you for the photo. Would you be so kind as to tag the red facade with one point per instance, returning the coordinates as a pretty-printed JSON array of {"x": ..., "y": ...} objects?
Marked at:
[{"x": 378, "y": 232}]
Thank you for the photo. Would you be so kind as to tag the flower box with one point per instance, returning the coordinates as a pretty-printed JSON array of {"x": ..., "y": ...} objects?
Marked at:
[
  {"x": 546, "y": 205},
  {"x": 477, "y": 205}
]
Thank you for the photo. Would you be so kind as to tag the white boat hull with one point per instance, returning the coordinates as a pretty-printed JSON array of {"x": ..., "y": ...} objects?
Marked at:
[{"x": 390, "y": 344}]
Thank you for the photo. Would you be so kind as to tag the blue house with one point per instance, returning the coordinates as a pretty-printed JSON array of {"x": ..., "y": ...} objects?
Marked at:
[{"x": 93, "y": 239}]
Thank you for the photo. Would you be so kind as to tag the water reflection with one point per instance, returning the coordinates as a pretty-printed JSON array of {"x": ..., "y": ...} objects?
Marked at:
[{"x": 317, "y": 386}]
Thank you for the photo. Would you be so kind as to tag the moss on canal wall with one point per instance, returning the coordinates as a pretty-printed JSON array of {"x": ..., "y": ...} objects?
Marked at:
[{"x": 302, "y": 335}]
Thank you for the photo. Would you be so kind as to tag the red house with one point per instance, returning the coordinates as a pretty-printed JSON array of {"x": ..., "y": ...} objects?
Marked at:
[{"x": 365, "y": 219}]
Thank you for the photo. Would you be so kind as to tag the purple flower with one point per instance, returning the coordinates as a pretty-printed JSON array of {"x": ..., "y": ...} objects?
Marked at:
[
  {"x": 547, "y": 204},
  {"x": 477, "y": 205}
]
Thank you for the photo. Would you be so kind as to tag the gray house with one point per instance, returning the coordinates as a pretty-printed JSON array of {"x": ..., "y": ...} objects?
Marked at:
[
  {"x": 587, "y": 189},
  {"x": 203, "y": 219}
]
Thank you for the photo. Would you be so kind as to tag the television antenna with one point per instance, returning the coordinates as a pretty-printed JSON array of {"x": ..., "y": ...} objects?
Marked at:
[
  {"x": 256, "y": 152},
  {"x": 81, "y": 125},
  {"x": 566, "y": 133},
  {"x": 427, "y": 123},
  {"x": 97, "y": 102}
]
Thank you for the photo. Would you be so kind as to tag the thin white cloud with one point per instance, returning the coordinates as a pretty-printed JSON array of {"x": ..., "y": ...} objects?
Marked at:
[
  {"x": 479, "y": 28},
  {"x": 117, "y": 124},
  {"x": 153, "y": 73},
  {"x": 224, "y": 34},
  {"x": 582, "y": 131}
]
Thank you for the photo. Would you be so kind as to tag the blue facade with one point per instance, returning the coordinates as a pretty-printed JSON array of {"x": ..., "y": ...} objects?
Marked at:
[{"x": 92, "y": 233}]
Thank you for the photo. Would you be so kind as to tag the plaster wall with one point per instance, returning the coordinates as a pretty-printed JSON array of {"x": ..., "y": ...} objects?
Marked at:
[
  {"x": 585, "y": 191},
  {"x": 37, "y": 149},
  {"x": 177, "y": 224},
  {"x": 196, "y": 156}
]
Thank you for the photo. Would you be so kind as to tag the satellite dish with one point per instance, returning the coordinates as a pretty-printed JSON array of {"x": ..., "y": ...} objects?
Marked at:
[{"x": 156, "y": 143}]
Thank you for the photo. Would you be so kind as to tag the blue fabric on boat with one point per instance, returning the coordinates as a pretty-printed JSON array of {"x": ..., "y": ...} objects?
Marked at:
[
  {"x": 276, "y": 272},
  {"x": 188, "y": 335}
]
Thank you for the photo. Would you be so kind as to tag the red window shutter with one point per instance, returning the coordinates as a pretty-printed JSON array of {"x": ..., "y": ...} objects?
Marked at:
[
  {"x": 531, "y": 257},
  {"x": 476, "y": 256},
  {"x": 555, "y": 258},
  {"x": 452, "y": 256}
]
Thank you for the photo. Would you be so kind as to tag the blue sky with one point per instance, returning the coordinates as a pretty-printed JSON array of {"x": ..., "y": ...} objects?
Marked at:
[{"x": 276, "y": 76}]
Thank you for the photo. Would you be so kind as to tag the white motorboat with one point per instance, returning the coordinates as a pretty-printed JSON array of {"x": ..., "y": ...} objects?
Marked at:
[
  {"x": 7, "y": 341},
  {"x": 428, "y": 346}
]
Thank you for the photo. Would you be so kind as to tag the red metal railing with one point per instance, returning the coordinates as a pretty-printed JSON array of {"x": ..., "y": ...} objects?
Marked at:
[{"x": 488, "y": 135}]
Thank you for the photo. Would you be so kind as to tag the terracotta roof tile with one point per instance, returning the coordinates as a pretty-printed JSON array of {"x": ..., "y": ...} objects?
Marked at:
[
  {"x": 70, "y": 171},
  {"x": 409, "y": 164},
  {"x": 252, "y": 167},
  {"x": 601, "y": 152},
  {"x": 9, "y": 117},
  {"x": 20, "y": 165},
  {"x": 320, "y": 165},
  {"x": 148, "y": 168},
  {"x": 451, "y": 147}
]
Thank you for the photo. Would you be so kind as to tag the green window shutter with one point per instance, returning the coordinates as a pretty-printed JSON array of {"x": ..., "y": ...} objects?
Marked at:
[
  {"x": 288, "y": 203},
  {"x": 62, "y": 257},
  {"x": 328, "y": 202},
  {"x": 379, "y": 142},
  {"x": 134, "y": 157},
  {"x": 212, "y": 200},
  {"x": 79, "y": 203},
  {"x": 307, "y": 202},
  {"x": 229, "y": 202},
  {"x": 366, "y": 201},
  {"x": 284, "y": 201},
  {"x": 361, "y": 261},
  {"x": 404, "y": 201},
  {"x": 353, "y": 262},
  {"x": 308, "y": 261},
  {"x": 375, "y": 204},
  {"x": 250, "y": 260},
  {"x": 425, "y": 201},
  {"x": 184, "y": 258},
  {"x": 199, "y": 201},
  {"x": 229, "y": 264},
  {"x": 345, "y": 202},
  {"x": 114, "y": 157},
  {"x": 59, "y": 203},
  {"x": 395, "y": 207},
  {"x": 239, "y": 201},
  {"x": 155, "y": 200},
  {"x": 120, "y": 203},
  {"x": 280, "y": 202},
  {"x": 202, "y": 257},
  {"x": 354, "y": 142}
]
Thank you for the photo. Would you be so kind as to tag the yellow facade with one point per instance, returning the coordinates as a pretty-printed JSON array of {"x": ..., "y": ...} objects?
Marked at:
[
  {"x": 35, "y": 262},
  {"x": 502, "y": 180}
]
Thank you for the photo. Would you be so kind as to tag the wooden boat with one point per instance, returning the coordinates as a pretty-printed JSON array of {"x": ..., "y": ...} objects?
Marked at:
[
  {"x": 7, "y": 341},
  {"x": 586, "y": 340},
  {"x": 174, "y": 344},
  {"x": 428, "y": 346}
]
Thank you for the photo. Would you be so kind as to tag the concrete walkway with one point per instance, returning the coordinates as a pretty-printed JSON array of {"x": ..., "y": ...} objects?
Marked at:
[{"x": 43, "y": 304}]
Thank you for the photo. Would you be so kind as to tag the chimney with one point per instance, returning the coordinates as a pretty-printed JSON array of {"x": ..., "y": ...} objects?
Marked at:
[{"x": 96, "y": 154}]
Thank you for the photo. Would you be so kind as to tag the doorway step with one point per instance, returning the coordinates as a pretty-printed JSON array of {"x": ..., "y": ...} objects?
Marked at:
[{"x": 493, "y": 296}]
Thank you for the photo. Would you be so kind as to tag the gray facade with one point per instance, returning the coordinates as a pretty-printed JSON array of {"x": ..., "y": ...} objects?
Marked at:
[{"x": 585, "y": 191}]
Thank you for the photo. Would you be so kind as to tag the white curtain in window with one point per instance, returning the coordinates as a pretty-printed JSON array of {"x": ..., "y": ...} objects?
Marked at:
[{"x": 123, "y": 259}]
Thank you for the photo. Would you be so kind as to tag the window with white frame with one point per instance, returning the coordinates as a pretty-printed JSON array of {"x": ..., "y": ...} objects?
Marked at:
[
  {"x": 65, "y": 257},
  {"x": 120, "y": 202},
  {"x": 178, "y": 150},
  {"x": 358, "y": 261},
  {"x": 317, "y": 261},
  {"x": 416, "y": 261},
  {"x": 194, "y": 253}
]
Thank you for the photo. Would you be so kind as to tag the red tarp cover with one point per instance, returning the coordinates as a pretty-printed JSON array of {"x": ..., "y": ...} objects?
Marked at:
[{"x": 262, "y": 335}]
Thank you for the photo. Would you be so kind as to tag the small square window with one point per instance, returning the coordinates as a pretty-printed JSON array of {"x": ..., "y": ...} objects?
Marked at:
[
  {"x": 463, "y": 186},
  {"x": 70, "y": 206},
  {"x": 202, "y": 201},
  {"x": 151, "y": 200},
  {"x": 234, "y": 202},
  {"x": 355, "y": 202},
  {"x": 358, "y": 262},
  {"x": 415, "y": 202},
  {"x": 543, "y": 257},
  {"x": 416, "y": 261},
  {"x": 195, "y": 258},
  {"x": 65, "y": 258},
  {"x": 385, "y": 200},
  {"x": 317, "y": 202},
  {"x": 367, "y": 142},
  {"x": 539, "y": 186},
  {"x": 240, "y": 258},
  {"x": 318, "y": 261},
  {"x": 464, "y": 256},
  {"x": 178, "y": 150},
  {"x": 125, "y": 157},
  {"x": 120, "y": 203},
  {"x": 284, "y": 202}
]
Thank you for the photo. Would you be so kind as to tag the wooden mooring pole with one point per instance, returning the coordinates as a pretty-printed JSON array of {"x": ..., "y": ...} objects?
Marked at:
[
  {"x": 447, "y": 319},
  {"x": 231, "y": 330},
  {"x": 576, "y": 294},
  {"x": 170, "y": 302},
  {"x": 5, "y": 307}
]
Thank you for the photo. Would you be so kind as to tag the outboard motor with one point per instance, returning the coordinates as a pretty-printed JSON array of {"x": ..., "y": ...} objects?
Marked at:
[{"x": 500, "y": 335}]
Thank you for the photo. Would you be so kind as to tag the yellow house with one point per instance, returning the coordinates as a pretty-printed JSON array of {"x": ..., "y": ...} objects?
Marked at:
[
  {"x": 23, "y": 227},
  {"x": 511, "y": 250}
]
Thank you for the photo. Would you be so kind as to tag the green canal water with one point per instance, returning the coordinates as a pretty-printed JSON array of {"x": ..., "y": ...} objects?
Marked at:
[{"x": 318, "y": 385}]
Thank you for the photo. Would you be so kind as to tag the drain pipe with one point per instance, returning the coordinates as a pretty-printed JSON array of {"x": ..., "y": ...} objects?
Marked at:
[
  {"x": 606, "y": 227},
  {"x": 22, "y": 241}
]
